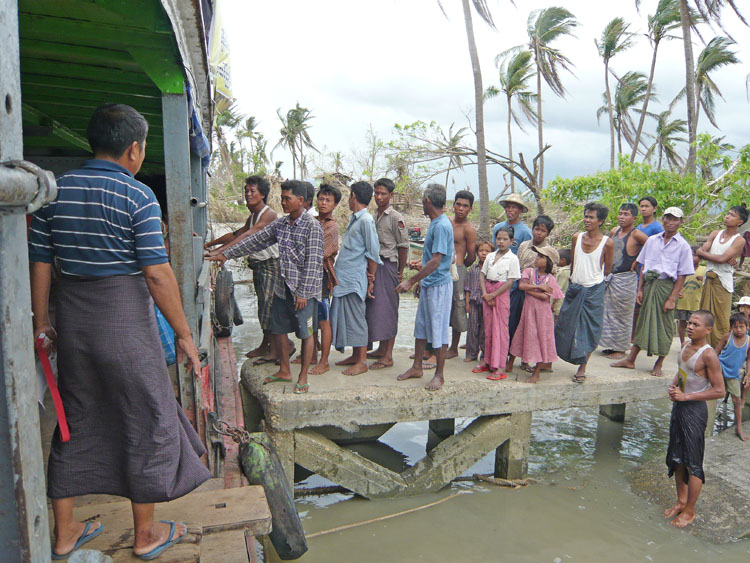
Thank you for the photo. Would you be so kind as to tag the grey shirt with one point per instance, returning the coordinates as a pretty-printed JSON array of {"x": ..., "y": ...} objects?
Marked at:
[{"x": 392, "y": 235}]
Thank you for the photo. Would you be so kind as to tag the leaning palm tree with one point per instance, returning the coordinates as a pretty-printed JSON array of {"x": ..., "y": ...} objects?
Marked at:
[
  {"x": 615, "y": 39},
  {"x": 295, "y": 136},
  {"x": 665, "y": 19},
  {"x": 543, "y": 27},
  {"x": 515, "y": 72},
  {"x": 667, "y": 136},
  {"x": 715, "y": 55},
  {"x": 452, "y": 142},
  {"x": 630, "y": 92}
]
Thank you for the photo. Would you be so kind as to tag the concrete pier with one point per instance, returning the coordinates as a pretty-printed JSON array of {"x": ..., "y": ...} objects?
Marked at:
[{"x": 309, "y": 429}]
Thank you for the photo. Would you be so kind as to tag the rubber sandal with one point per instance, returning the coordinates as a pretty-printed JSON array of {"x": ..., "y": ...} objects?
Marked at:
[
  {"x": 379, "y": 365},
  {"x": 171, "y": 540},
  {"x": 579, "y": 378},
  {"x": 274, "y": 379},
  {"x": 481, "y": 369},
  {"x": 429, "y": 365},
  {"x": 497, "y": 376},
  {"x": 85, "y": 537},
  {"x": 301, "y": 388}
]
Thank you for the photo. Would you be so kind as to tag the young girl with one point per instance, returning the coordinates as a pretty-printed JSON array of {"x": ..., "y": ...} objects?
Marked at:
[
  {"x": 534, "y": 340},
  {"x": 475, "y": 332},
  {"x": 499, "y": 271}
]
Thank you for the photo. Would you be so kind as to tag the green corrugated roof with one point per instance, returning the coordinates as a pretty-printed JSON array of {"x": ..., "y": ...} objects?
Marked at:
[{"x": 77, "y": 54}]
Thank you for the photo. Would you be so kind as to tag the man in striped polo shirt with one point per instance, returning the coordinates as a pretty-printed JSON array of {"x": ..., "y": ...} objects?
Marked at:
[{"x": 128, "y": 435}]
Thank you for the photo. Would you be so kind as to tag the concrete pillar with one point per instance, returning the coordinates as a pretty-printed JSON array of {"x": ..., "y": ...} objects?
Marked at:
[
  {"x": 614, "y": 412},
  {"x": 438, "y": 430},
  {"x": 512, "y": 457},
  {"x": 284, "y": 444}
]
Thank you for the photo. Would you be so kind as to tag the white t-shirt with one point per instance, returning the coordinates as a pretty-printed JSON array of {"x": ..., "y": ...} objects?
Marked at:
[{"x": 506, "y": 267}]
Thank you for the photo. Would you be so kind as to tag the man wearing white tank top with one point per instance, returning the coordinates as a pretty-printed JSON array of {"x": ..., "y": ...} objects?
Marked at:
[
  {"x": 721, "y": 252},
  {"x": 579, "y": 325}
]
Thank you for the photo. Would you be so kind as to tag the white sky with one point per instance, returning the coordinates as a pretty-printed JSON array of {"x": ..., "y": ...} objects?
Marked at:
[{"x": 356, "y": 63}]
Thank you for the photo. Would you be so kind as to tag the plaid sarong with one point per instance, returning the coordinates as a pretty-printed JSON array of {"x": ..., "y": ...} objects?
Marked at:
[
  {"x": 619, "y": 304},
  {"x": 166, "y": 336},
  {"x": 654, "y": 330},
  {"x": 265, "y": 274}
]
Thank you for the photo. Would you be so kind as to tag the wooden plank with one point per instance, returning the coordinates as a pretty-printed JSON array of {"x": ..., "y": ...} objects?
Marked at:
[
  {"x": 205, "y": 513},
  {"x": 224, "y": 547}
]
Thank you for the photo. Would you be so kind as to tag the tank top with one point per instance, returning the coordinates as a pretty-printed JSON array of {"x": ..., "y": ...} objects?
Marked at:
[
  {"x": 588, "y": 269},
  {"x": 267, "y": 253},
  {"x": 623, "y": 260},
  {"x": 689, "y": 381},
  {"x": 732, "y": 357},
  {"x": 724, "y": 271}
]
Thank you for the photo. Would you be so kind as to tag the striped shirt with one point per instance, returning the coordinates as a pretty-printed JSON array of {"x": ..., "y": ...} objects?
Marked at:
[{"x": 103, "y": 223}]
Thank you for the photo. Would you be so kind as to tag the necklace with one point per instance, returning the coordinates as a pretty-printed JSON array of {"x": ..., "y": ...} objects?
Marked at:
[{"x": 539, "y": 279}]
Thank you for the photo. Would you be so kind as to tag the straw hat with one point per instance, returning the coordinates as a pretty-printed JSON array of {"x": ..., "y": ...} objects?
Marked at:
[
  {"x": 514, "y": 198},
  {"x": 548, "y": 251}
]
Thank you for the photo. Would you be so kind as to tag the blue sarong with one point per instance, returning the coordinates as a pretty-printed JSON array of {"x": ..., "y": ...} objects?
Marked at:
[{"x": 579, "y": 325}]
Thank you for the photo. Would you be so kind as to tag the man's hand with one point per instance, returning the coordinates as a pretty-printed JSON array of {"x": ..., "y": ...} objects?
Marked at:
[
  {"x": 400, "y": 275},
  {"x": 299, "y": 303},
  {"x": 681, "y": 294},
  {"x": 668, "y": 305},
  {"x": 370, "y": 277},
  {"x": 746, "y": 381},
  {"x": 675, "y": 394},
  {"x": 186, "y": 347},
  {"x": 370, "y": 289},
  {"x": 415, "y": 265},
  {"x": 404, "y": 286},
  {"x": 468, "y": 307},
  {"x": 50, "y": 343},
  {"x": 639, "y": 297},
  {"x": 220, "y": 258}
]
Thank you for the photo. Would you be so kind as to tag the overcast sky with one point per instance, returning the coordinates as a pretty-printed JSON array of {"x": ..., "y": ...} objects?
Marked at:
[{"x": 357, "y": 62}]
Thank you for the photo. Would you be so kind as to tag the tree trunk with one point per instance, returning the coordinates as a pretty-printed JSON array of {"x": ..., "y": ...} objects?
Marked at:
[
  {"x": 660, "y": 155},
  {"x": 689, "y": 85},
  {"x": 697, "y": 114},
  {"x": 484, "y": 196},
  {"x": 540, "y": 178},
  {"x": 447, "y": 175},
  {"x": 642, "y": 120},
  {"x": 619, "y": 136},
  {"x": 510, "y": 147},
  {"x": 611, "y": 117}
]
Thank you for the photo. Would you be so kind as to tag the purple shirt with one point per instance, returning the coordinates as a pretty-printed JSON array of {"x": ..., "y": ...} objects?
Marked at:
[
  {"x": 670, "y": 260},
  {"x": 472, "y": 282},
  {"x": 300, "y": 254}
]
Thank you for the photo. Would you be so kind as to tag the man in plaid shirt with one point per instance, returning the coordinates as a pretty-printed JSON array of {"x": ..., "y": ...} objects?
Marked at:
[{"x": 298, "y": 290}]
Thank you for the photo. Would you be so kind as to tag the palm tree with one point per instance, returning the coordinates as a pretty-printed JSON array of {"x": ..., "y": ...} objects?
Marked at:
[
  {"x": 452, "y": 143},
  {"x": 615, "y": 39},
  {"x": 543, "y": 27},
  {"x": 515, "y": 72},
  {"x": 630, "y": 92},
  {"x": 665, "y": 19},
  {"x": 715, "y": 55},
  {"x": 295, "y": 136},
  {"x": 667, "y": 136}
]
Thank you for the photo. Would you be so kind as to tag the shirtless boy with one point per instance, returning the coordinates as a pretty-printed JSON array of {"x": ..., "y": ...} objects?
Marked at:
[
  {"x": 464, "y": 244},
  {"x": 698, "y": 380}
]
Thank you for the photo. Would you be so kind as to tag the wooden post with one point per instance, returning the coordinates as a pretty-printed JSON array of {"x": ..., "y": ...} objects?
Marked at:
[
  {"x": 512, "y": 457},
  {"x": 614, "y": 412},
  {"x": 438, "y": 430}
]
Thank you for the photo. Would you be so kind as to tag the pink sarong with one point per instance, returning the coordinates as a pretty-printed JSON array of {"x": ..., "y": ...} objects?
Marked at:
[{"x": 496, "y": 339}]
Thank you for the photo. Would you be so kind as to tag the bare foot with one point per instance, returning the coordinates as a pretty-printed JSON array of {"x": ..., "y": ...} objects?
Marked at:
[
  {"x": 257, "y": 352},
  {"x": 470, "y": 359},
  {"x": 435, "y": 383},
  {"x": 626, "y": 363},
  {"x": 683, "y": 520},
  {"x": 375, "y": 354},
  {"x": 381, "y": 364},
  {"x": 656, "y": 372},
  {"x": 674, "y": 511},
  {"x": 157, "y": 535},
  {"x": 320, "y": 369},
  {"x": 616, "y": 355},
  {"x": 533, "y": 379},
  {"x": 411, "y": 373},
  {"x": 356, "y": 369},
  {"x": 462, "y": 347},
  {"x": 350, "y": 361},
  {"x": 297, "y": 360},
  {"x": 740, "y": 434},
  {"x": 451, "y": 354},
  {"x": 66, "y": 539}
]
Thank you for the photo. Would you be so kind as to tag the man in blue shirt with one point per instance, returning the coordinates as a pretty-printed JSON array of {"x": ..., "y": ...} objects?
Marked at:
[
  {"x": 649, "y": 225},
  {"x": 436, "y": 295},
  {"x": 514, "y": 206},
  {"x": 355, "y": 269}
]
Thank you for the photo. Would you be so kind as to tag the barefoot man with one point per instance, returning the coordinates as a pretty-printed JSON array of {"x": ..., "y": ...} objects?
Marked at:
[
  {"x": 297, "y": 290},
  {"x": 698, "y": 380},
  {"x": 356, "y": 266},
  {"x": 433, "y": 312},
  {"x": 464, "y": 245},
  {"x": 382, "y": 311},
  {"x": 667, "y": 260},
  {"x": 579, "y": 326},
  {"x": 622, "y": 286}
]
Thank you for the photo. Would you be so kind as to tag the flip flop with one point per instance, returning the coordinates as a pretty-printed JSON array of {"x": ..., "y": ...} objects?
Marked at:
[
  {"x": 274, "y": 379},
  {"x": 261, "y": 361},
  {"x": 301, "y": 388},
  {"x": 85, "y": 537},
  {"x": 429, "y": 365},
  {"x": 579, "y": 378},
  {"x": 380, "y": 365},
  {"x": 481, "y": 369},
  {"x": 171, "y": 540},
  {"x": 497, "y": 376}
]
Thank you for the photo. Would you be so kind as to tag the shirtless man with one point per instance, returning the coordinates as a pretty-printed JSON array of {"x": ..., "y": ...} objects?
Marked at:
[
  {"x": 698, "y": 380},
  {"x": 464, "y": 244}
]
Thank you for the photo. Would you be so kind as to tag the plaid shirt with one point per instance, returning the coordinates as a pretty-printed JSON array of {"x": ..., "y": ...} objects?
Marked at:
[{"x": 300, "y": 253}]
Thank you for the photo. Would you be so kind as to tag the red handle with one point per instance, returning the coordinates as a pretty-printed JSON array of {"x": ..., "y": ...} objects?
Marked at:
[{"x": 47, "y": 368}]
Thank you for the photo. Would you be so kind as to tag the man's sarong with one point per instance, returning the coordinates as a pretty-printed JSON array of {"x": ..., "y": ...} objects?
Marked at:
[
  {"x": 348, "y": 321},
  {"x": 128, "y": 435},
  {"x": 382, "y": 312},
  {"x": 579, "y": 325},
  {"x": 265, "y": 274},
  {"x": 654, "y": 330},
  {"x": 718, "y": 300},
  {"x": 517, "y": 297},
  {"x": 687, "y": 427},
  {"x": 459, "y": 320},
  {"x": 496, "y": 339},
  {"x": 619, "y": 303}
]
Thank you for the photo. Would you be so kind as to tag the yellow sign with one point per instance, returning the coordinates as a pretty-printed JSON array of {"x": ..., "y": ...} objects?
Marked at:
[{"x": 219, "y": 61}]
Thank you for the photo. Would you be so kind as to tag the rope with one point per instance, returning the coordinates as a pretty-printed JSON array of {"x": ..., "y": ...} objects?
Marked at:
[{"x": 381, "y": 518}]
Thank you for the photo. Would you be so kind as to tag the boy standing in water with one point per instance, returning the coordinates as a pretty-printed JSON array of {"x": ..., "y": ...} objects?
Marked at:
[{"x": 698, "y": 380}]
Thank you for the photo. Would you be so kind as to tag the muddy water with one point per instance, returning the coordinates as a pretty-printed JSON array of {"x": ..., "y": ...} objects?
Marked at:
[{"x": 580, "y": 509}]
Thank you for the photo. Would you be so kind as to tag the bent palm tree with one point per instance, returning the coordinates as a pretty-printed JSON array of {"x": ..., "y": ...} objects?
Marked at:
[
  {"x": 714, "y": 56},
  {"x": 667, "y": 136},
  {"x": 630, "y": 92},
  {"x": 615, "y": 39},
  {"x": 295, "y": 136},
  {"x": 453, "y": 149},
  {"x": 665, "y": 19},
  {"x": 515, "y": 72},
  {"x": 543, "y": 27}
]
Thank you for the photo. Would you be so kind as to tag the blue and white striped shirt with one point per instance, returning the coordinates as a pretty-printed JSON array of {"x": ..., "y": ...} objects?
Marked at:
[{"x": 103, "y": 223}]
